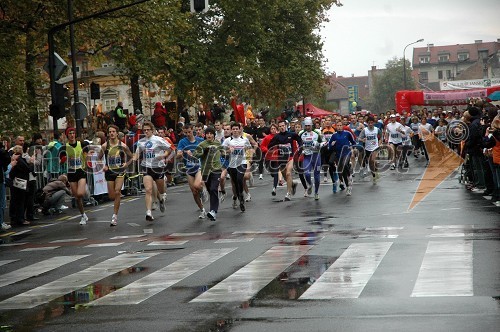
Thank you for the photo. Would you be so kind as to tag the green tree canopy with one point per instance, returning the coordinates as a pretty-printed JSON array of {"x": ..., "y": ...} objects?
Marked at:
[{"x": 386, "y": 85}]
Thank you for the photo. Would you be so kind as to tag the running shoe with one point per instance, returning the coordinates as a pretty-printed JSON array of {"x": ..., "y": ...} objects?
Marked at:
[
  {"x": 393, "y": 167},
  {"x": 342, "y": 186},
  {"x": 281, "y": 183},
  {"x": 294, "y": 188},
  {"x": 84, "y": 219},
  {"x": 203, "y": 214},
  {"x": 349, "y": 191},
  {"x": 212, "y": 215},
  {"x": 235, "y": 203},
  {"x": 375, "y": 178},
  {"x": 305, "y": 193},
  {"x": 248, "y": 197},
  {"x": 325, "y": 179},
  {"x": 309, "y": 189},
  {"x": 242, "y": 206},
  {"x": 149, "y": 216},
  {"x": 6, "y": 226},
  {"x": 287, "y": 197},
  {"x": 316, "y": 197},
  {"x": 273, "y": 192},
  {"x": 261, "y": 177},
  {"x": 162, "y": 202},
  {"x": 114, "y": 220}
]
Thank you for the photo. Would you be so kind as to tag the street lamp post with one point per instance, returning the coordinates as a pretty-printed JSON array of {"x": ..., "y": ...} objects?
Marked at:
[{"x": 404, "y": 60}]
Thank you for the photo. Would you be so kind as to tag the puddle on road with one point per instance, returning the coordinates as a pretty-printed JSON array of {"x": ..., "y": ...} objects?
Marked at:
[
  {"x": 295, "y": 280},
  {"x": 68, "y": 303}
]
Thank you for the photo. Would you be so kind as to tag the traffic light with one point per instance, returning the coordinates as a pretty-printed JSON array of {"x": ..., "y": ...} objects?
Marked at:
[
  {"x": 62, "y": 101},
  {"x": 95, "y": 91},
  {"x": 199, "y": 6}
]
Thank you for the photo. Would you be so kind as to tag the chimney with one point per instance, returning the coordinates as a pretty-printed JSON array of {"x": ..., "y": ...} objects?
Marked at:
[
  {"x": 429, "y": 47},
  {"x": 478, "y": 41},
  {"x": 352, "y": 75},
  {"x": 374, "y": 68},
  {"x": 498, "y": 40}
]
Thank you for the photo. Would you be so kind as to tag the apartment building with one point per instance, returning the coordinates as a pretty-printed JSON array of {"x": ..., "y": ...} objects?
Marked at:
[{"x": 457, "y": 66}]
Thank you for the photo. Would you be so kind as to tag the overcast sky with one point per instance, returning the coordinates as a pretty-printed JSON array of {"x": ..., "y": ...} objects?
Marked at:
[{"x": 363, "y": 33}]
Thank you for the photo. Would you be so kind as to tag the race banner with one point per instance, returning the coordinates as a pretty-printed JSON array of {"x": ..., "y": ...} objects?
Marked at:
[{"x": 469, "y": 84}]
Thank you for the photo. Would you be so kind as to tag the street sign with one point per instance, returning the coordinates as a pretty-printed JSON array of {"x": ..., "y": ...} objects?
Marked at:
[
  {"x": 59, "y": 66},
  {"x": 352, "y": 92},
  {"x": 80, "y": 110}
]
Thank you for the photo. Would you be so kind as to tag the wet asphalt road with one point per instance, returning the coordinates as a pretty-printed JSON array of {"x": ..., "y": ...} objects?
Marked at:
[{"x": 338, "y": 264}]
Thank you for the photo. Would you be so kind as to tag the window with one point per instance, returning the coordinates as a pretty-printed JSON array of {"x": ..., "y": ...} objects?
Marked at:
[
  {"x": 448, "y": 74},
  {"x": 424, "y": 59},
  {"x": 424, "y": 78},
  {"x": 483, "y": 54},
  {"x": 440, "y": 74},
  {"x": 444, "y": 58},
  {"x": 463, "y": 56},
  {"x": 109, "y": 105}
]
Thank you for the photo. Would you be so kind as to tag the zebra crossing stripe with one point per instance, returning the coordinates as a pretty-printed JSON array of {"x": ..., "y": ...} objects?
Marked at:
[
  {"x": 8, "y": 261},
  {"x": 446, "y": 270},
  {"x": 250, "y": 279},
  {"x": 349, "y": 274},
  {"x": 160, "y": 280},
  {"x": 37, "y": 269},
  {"x": 75, "y": 281}
]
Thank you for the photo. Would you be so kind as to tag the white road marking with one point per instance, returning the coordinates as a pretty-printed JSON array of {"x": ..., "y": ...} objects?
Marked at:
[
  {"x": 68, "y": 284},
  {"x": 100, "y": 245},
  {"x": 68, "y": 240},
  {"x": 446, "y": 270},
  {"x": 349, "y": 274},
  {"x": 247, "y": 281},
  {"x": 37, "y": 269},
  {"x": 40, "y": 248},
  {"x": 160, "y": 280},
  {"x": 8, "y": 261}
]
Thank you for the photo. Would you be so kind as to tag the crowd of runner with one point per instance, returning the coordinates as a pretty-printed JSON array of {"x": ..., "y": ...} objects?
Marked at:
[{"x": 334, "y": 148}]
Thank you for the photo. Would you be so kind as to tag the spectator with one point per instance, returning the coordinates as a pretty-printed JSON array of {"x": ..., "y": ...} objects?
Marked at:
[
  {"x": 159, "y": 117},
  {"x": 4, "y": 163},
  {"x": 185, "y": 114},
  {"x": 19, "y": 174},
  {"x": 55, "y": 193},
  {"x": 119, "y": 116}
]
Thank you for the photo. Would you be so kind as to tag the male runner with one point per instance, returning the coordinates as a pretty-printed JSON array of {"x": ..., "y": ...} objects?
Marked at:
[{"x": 153, "y": 150}]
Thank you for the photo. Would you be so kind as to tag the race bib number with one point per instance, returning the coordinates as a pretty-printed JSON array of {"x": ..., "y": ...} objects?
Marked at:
[{"x": 74, "y": 163}]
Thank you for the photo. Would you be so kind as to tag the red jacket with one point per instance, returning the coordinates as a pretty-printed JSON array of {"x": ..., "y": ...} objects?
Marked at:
[{"x": 159, "y": 117}]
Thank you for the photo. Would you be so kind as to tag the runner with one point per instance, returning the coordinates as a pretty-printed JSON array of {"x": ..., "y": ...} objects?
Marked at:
[
  {"x": 225, "y": 162},
  {"x": 76, "y": 153},
  {"x": 153, "y": 150},
  {"x": 425, "y": 132},
  {"x": 406, "y": 145},
  {"x": 271, "y": 157},
  {"x": 237, "y": 147},
  {"x": 185, "y": 150},
  {"x": 371, "y": 136},
  {"x": 287, "y": 144},
  {"x": 394, "y": 137},
  {"x": 326, "y": 154},
  {"x": 311, "y": 141},
  {"x": 117, "y": 158},
  {"x": 341, "y": 143},
  {"x": 209, "y": 152}
]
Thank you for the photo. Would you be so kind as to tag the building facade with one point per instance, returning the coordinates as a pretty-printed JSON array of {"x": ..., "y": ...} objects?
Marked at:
[{"x": 436, "y": 65}]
